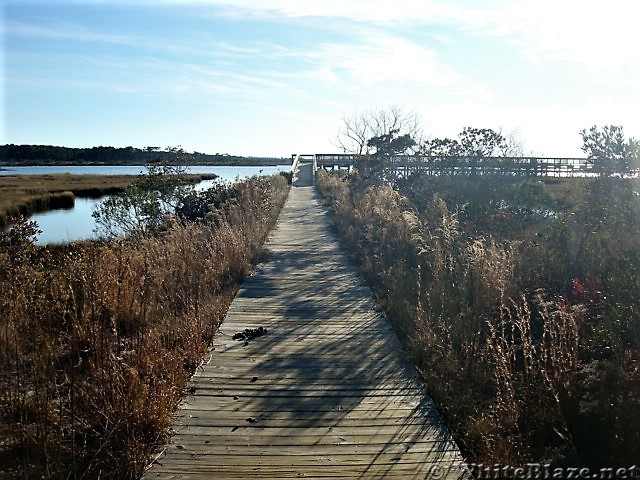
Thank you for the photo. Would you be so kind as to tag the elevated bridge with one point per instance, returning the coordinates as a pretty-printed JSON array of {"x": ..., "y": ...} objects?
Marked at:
[{"x": 404, "y": 165}]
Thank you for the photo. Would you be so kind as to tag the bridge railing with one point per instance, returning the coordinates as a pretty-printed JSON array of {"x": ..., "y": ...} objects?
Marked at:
[
  {"x": 313, "y": 170},
  {"x": 449, "y": 165},
  {"x": 296, "y": 158},
  {"x": 295, "y": 161}
]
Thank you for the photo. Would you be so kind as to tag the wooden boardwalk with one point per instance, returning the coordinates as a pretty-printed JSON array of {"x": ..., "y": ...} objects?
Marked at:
[
  {"x": 324, "y": 394},
  {"x": 405, "y": 165}
]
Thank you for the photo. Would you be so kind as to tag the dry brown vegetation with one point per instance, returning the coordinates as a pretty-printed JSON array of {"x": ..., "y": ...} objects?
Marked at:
[
  {"x": 98, "y": 340},
  {"x": 518, "y": 303}
]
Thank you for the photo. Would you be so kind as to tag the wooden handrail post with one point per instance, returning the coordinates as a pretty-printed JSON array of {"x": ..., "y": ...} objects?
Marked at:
[
  {"x": 294, "y": 165},
  {"x": 313, "y": 170}
]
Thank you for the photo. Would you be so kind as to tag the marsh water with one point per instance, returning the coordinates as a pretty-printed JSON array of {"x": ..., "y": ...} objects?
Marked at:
[{"x": 66, "y": 225}]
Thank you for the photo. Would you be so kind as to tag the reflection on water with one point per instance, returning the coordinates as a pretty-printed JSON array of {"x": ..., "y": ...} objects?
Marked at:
[{"x": 63, "y": 226}]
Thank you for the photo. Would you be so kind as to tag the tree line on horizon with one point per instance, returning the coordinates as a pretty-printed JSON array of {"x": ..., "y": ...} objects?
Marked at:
[{"x": 104, "y": 155}]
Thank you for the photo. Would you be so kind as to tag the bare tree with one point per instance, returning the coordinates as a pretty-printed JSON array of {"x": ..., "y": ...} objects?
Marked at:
[
  {"x": 357, "y": 129},
  {"x": 514, "y": 147}
]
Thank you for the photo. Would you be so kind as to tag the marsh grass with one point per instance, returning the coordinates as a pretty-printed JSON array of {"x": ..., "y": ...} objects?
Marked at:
[
  {"x": 98, "y": 340},
  {"x": 517, "y": 302}
]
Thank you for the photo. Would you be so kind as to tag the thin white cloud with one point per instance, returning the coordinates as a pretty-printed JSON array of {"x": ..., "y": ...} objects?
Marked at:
[
  {"x": 594, "y": 33},
  {"x": 381, "y": 58},
  {"x": 366, "y": 11},
  {"x": 600, "y": 35},
  {"x": 64, "y": 31}
]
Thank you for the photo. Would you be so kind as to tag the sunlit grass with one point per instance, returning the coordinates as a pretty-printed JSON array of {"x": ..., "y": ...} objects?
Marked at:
[
  {"x": 98, "y": 340},
  {"x": 518, "y": 303}
]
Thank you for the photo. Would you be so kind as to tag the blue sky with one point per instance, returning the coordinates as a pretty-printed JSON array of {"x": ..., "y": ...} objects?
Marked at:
[{"x": 244, "y": 78}]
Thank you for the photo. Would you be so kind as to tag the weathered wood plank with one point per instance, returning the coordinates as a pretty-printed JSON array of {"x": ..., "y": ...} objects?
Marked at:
[
  {"x": 383, "y": 433},
  {"x": 392, "y": 470},
  {"x": 325, "y": 393},
  {"x": 249, "y": 403},
  {"x": 194, "y": 458}
]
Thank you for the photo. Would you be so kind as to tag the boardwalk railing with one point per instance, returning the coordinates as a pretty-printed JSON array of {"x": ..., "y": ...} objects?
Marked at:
[
  {"x": 313, "y": 170},
  {"x": 435, "y": 165},
  {"x": 294, "y": 164},
  {"x": 296, "y": 158}
]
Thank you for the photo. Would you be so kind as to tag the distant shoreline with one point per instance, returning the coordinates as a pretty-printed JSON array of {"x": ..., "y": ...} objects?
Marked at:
[
  {"x": 54, "y": 156},
  {"x": 249, "y": 162}
]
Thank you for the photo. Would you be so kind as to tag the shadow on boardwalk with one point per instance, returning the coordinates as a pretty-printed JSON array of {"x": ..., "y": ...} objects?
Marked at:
[{"x": 325, "y": 393}]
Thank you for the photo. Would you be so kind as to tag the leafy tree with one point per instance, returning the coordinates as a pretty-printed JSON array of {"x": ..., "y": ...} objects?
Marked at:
[
  {"x": 471, "y": 142},
  {"x": 169, "y": 184},
  {"x": 391, "y": 144},
  {"x": 482, "y": 142},
  {"x": 441, "y": 147},
  {"x": 372, "y": 168},
  {"x": 609, "y": 152},
  {"x": 23, "y": 232},
  {"x": 145, "y": 207},
  {"x": 198, "y": 205},
  {"x": 17, "y": 250}
]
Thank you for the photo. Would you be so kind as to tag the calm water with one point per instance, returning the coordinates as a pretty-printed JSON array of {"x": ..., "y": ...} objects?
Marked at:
[
  {"x": 226, "y": 173},
  {"x": 62, "y": 226}
]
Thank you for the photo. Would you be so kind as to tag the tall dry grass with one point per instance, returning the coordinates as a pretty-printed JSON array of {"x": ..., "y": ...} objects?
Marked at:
[
  {"x": 98, "y": 340},
  {"x": 527, "y": 361}
]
